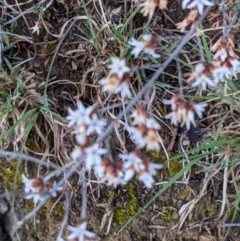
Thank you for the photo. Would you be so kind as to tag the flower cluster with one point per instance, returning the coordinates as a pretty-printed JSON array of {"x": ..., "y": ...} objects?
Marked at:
[
  {"x": 118, "y": 79},
  {"x": 191, "y": 19},
  {"x": 144, "y": 130},
  {"x": 122, "y": 169},
  {"x": 196, "y": 7},
  {"x": 143, "y": 167},
  {"x": 86, "y": 122},
  {"x": 183, "y": 111},
  {"x": 37, "y": 187},
  {"x": 225, "y": 65}
]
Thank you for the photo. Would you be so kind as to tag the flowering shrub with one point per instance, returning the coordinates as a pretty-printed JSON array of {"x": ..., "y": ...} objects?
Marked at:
[{"x": 88, "y": 124}]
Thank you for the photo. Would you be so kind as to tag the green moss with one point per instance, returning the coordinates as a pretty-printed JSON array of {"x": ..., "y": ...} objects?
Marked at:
[
  {"x": 121, "y": 215},
  {"x": 170, "y": 213},
  {"x": 111, "y": 193},
  {"x": 8, "y": 172},
  {"x": 53, "y": 211},
  {"x": 30, "y": 143},
  {"x": 184, "y": 194},
  {"x": 174, "y": 167}
]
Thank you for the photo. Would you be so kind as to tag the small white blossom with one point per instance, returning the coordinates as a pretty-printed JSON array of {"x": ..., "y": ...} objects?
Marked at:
[
  {"x": 220, "y": 73},
  {"x": 93, "y": 155},
  {"x": 124, "y": 89},
  {"x": 114, "y": 84},
  {"x": 139, "y": 116},
  {"x": 132, "y": 161},
  {"x": 147, "y": 179},
  {"x": 111, "y": 172},
  {"x": 80, "y": 233},
  {"x": 235, "y": 63},
  {"x": 183, "y": 112},
  {"x": 136, "y": 137},
  {"x": 199, "y": 108},
  {"x": 148, "y": 45},
  {"x": 36, "y": 188},
  {"x": 201, "y": 75},
  {"x": 152, "y": 140},
  {"x": 222, "y": 53},
  {"x": 197, "y": 3},
  {"x": 96, "y": 125},
  {"x": 79, "y": 116},
  {"x": 153, "y": 124},
  {"x": 118, "y": 67},
  {"x": 110, "y": 83},
  {"x": 150, "y": 170},
  {"x": 35, "y": 28},
  {"x": 53, "y": 189},
  {"x": 33, "y": 188},
  {"x": 148, "y": 7}
]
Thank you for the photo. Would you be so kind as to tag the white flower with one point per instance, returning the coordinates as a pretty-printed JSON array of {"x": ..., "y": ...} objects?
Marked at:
[
  {"x": 203, "y": 80},
  {"x": 151, "y": 123},
  {"x": 53, "y": 189},
  {"x": 36, "y": 188},
  {"x": 139, "y": 46},
  {"x": 148, "y": 7},
  {"x": 183, "y": 112},
  {"x": 80, "y": 116},
  {"x": 150, "y": 170},
  {"x": 235, "y": 63},
  {"x": 173, "y": 117},
  {"x": 152, "y": 140},
  {"x": 199, "y": 108},
  {"x": 36, "y": 28},
  {"x": 139, "y": 116},
  {"x": 148, "y": 45},
  {"x": 76, "y": 153},
  {"x": 80, "y": 233},
  {"x": 111, "y": 172},
  {"x": 93, "y": 155},
  {"x": 222, "y": 53},
  {"x": 132, "y": 161},
  {"x": 197, "y": 3},
  {"x": 110, "y": 83},
  {"x": 118, "y": 67},
  {"x": 200, "y": 75},
  {"x": 173, "y": 102},
  {"x": 28, "y": 184},
  {"x": 136, "y": 137},
  {"x": 95, "y": 125},
  {"x": 33, "y": 188},
  {"x": 124, "y": 89},
  {"x": 220, "y": 73},
  {"x": 147, "y": 179},
  {"x": 114, "y": 84}
]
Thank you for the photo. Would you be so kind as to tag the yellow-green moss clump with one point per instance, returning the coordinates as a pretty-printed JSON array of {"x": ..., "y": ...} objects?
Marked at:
[
  {"x": 174, "y": 165},
  {"x": 8, "y": 172},
  {"x": 121, "y": 215},
  {"x": 170, "y": 213}
]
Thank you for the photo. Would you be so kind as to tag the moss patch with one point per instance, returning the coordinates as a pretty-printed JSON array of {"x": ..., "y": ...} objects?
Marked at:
[
  {"x": 8, "y": 172},
  {"x": 121, "y": 215}
]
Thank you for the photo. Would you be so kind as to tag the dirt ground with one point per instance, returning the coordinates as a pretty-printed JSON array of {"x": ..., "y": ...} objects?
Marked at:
[{"x": 74, "y": 75}]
